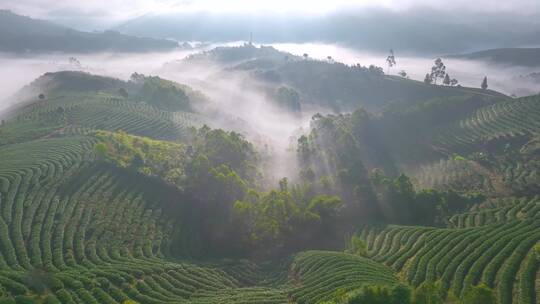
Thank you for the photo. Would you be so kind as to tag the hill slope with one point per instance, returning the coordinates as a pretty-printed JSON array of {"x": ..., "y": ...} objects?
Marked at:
[
  {"x": 499, "y": 253},
  {"x": 114, "y": 190},
  {"x": 525, "y": 57},
  {"x": 330, "y": 85},
  {"x": 79, "y": 225},
  {"x": 19, "y": 34}
]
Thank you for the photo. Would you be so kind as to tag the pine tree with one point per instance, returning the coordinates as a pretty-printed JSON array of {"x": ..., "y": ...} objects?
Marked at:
[
  {"x": 484, "y": 84},
  {"x": 446, "y": 80}
]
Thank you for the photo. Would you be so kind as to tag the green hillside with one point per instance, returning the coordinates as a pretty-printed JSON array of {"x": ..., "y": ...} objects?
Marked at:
[
  {"x": 114, "y": 191},
  {"x": 329, "y": 84},
  {"x": 492, "y": 246}
]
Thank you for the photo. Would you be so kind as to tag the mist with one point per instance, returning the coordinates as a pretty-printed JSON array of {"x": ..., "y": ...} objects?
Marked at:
[
  {"x": 240, "y": 102},
  {"x": 469, "y": 73}
]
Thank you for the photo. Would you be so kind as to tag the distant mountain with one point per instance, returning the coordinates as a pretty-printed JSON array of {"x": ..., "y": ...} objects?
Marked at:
[
  {"x": 529, "y": 57},
  {"x": 423, "y": 31},
  {"x": 24, "y": 34}
]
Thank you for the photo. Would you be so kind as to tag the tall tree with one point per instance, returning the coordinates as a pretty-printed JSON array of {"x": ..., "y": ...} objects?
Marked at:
[
  {"x": 428, "y": 79},
  {"x": 447, "y": 80},
  {"x": 484, "y": 84},
  {"x": 438, "y": 70},
  {"x": 390, "y": 60}
]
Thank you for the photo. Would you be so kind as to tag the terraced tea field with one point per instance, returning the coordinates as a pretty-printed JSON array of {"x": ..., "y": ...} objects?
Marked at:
[
  {"x": 492, "y": 246},
  {"x": 80, "y": 225}
]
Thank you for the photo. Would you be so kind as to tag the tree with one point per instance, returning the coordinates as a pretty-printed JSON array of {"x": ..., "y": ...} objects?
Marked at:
[
  {"x": 454, "y": 82},
  {"x": 375, "y": 70},
  {"x": 101, "y": 150},
  {"x": 41, "y": 96},
  {"x": 289, "y": 99},
  {"x": 390, "y": 60},
  {"x": 438, "y": 70},
  {"x": 536, "y": 249},
  {"x": 376, "y": 294},
  {"x": 480, "y": 294},
  {"x": 484, "y": 84},
  {"x": 74, "y": 61},
  {"x": 330, "y": 59},
  {"x": 429, "y": 293},
  {"x": 403, "y": 74},
  {"x": 357, "y": 246},
  {"x": 122, "y": 92},
  {"x": 428, "y": 79},
  {"x": 401, "y": 294},
  {"x": 305, "y": 56},
  {"x": 447, "y": 80}
]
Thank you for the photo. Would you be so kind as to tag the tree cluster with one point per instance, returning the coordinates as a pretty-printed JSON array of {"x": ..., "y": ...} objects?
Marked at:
[
  {"x": 438, "y": 71},
  {"x": 426, "y": 293}
]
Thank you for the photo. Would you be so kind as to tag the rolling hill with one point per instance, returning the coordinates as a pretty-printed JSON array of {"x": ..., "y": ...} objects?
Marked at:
[
  {"x": 331, "y": 85},
  {"x": 114, "y": 191}
]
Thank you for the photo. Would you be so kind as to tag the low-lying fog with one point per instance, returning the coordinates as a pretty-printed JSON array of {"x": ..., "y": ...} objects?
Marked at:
[
  {"x": 468, "y": 73},
  {"x": 18, "y": 71},
  {"x": 240, "y": 97}
]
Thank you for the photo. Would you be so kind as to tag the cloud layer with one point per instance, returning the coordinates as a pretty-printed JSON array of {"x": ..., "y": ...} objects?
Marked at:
[{"x": 104, "y": 13}]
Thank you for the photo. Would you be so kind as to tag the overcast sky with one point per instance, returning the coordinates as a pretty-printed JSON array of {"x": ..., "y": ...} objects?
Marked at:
[{"x": 101, "y": 14}]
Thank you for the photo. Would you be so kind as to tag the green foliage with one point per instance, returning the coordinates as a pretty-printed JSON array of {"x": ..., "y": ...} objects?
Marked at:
[
  {"x": 331, "y": 152},
  {"x": 165, "y": 95},
  {"x": 480, "y": 294},
  {"x": 226, "y": 148},
  {"x": 373, "y": 294},
  {"x": 425, "y": 207},
  {"x": 146, "y": 156},
  {"x": 286, "y": 218},
  {"x": 429, "y": 293},
  {"x": 73, "y": 229},
  {"x": 357, "y": 246},
  {"x": 458, "y": 157},
  {"x": 289, "y": 99},
  {"x": 536, "y": 250}
]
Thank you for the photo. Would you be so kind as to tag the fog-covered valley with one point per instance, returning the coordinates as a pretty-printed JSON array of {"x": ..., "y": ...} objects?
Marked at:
[
  {"x": 20, "y": 70},
  {"x": 247, "y": 108}
]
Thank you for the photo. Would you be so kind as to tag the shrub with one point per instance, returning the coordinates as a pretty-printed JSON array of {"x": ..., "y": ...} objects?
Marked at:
[
  {"x": 357, "y": 246},
  {"x": 429, "y": 293},
  {"x": 480, "y": 294}
]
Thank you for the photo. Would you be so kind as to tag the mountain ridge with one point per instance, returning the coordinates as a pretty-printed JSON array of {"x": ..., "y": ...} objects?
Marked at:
[{"x": 22, "y": 34}]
